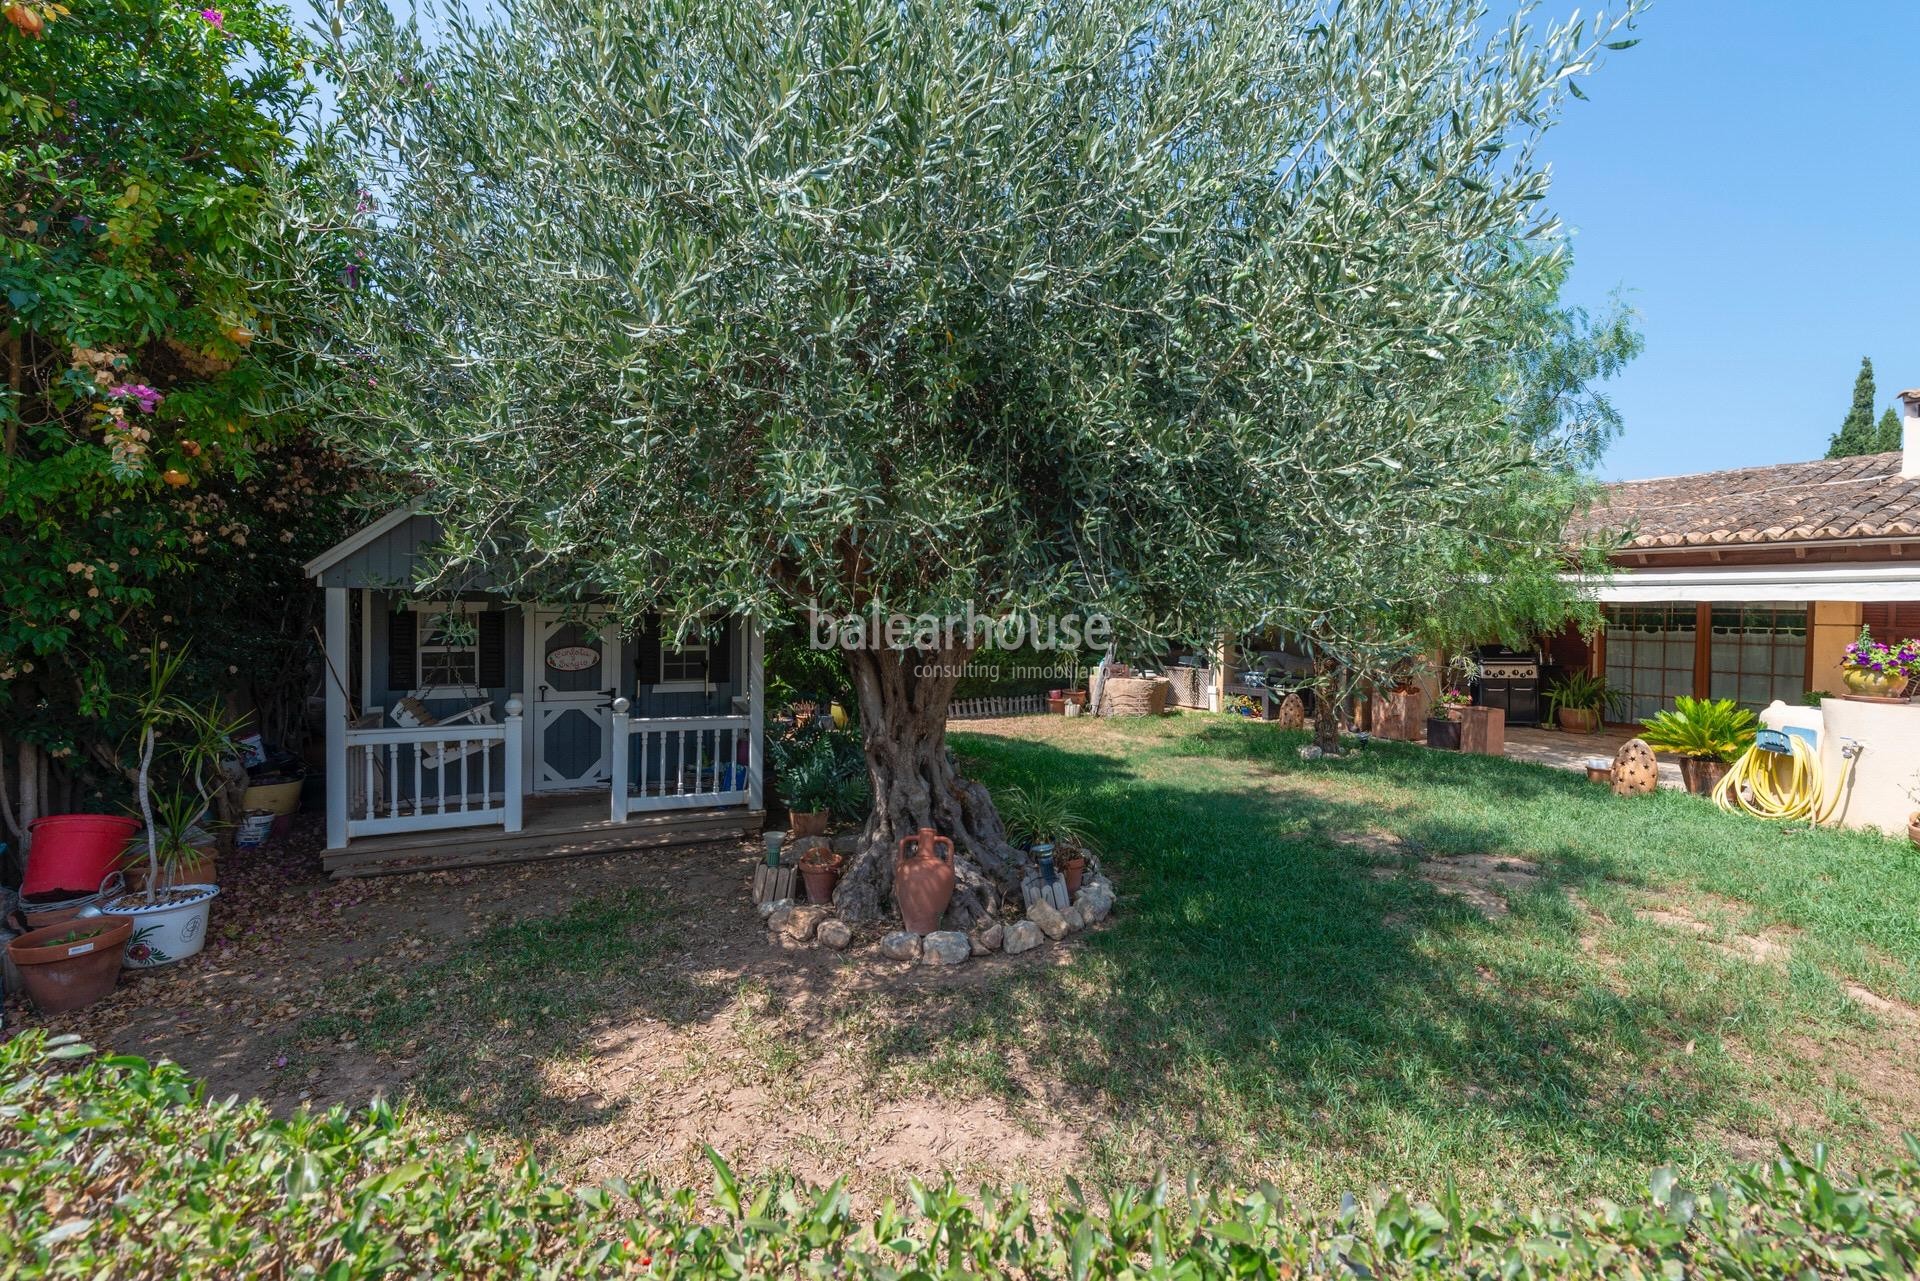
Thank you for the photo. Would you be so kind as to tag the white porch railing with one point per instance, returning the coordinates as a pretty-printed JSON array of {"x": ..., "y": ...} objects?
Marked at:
[
  {"x": 417, "y": 779},
  {"x": 680, "y": 762}
]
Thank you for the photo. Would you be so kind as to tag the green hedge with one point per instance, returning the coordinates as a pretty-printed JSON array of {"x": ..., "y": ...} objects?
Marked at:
[{"x": 112, "y": 1167}]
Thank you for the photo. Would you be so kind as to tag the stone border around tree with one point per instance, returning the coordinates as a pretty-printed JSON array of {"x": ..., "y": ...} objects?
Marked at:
[{"x": 790, "y": 923}]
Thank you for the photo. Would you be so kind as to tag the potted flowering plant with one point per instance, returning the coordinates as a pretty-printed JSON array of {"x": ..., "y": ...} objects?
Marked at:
[
  {"x": 1875, "y": 669},
  {"x": 1453, "y": 701}
]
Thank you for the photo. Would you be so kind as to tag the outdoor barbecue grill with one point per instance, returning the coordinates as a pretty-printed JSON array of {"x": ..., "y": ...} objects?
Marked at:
[{"x": 1509, "y": 680}]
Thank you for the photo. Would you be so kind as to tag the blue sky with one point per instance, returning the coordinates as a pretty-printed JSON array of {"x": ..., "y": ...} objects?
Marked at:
[{"x": 1749, "y": 175}]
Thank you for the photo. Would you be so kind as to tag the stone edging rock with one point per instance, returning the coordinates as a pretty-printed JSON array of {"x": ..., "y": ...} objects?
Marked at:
[{"x": 814, "y": 923}]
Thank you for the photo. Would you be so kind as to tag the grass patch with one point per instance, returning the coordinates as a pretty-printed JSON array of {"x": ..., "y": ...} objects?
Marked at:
[{"x": 1291, "y": 990}]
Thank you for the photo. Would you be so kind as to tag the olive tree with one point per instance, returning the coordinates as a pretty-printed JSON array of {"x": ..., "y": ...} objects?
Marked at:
[{"x": 1145, "y": 309}]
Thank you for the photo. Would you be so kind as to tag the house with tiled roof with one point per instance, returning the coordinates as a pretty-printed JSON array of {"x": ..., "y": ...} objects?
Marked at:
[{"x": 1749, "y": 583}]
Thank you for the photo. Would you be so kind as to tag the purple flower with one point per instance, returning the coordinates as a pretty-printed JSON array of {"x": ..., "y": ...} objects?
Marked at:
[
  {"x": 146, "y": 397},
  {"x": 215, "y": 19}
]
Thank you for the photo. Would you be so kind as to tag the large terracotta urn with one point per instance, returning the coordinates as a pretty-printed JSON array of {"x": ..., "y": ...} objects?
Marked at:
[{"x": 923, "y": 879}]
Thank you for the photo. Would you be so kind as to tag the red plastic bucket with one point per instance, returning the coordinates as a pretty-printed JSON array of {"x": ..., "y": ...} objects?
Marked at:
[{"x": 75, "y": 851}]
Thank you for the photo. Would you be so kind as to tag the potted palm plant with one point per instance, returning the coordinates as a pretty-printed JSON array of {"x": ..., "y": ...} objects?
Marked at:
[
  {"x": 180, "y": 750},
  {"x": 1581, "y": 701},
  {"x": 1707, "y": 734},
  {"x": 1045, "y": 822}
]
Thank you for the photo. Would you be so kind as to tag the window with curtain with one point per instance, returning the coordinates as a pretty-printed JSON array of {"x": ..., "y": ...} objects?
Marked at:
[
  {"x": 1759, "y": 653},
  {"x": 1650, "y": 655}
]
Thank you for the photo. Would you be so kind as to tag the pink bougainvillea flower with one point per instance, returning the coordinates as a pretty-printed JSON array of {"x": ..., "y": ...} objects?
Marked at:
[
  {"x": 146, "y": 397},
  {"x": 215, "y": 19}
]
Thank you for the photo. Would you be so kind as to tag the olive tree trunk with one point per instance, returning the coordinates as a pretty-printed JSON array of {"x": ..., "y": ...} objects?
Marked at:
[{"x": 903, "y": 698}]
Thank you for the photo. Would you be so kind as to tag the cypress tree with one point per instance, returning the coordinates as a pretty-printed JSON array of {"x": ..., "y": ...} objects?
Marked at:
[
  {"x": 1886, "y": 434},
  {"x": 1857, "y": 434}
]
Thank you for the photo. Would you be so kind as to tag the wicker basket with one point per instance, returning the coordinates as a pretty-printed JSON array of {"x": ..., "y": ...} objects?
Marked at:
[{"x": 1133, "y": 696}]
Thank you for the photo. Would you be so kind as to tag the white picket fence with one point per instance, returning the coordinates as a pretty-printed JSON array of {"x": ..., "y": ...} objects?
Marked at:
[
  {"x": 685, "y": 762},
  {"x": 975, "y": 709},
  {"x": 397, "y": 777}
]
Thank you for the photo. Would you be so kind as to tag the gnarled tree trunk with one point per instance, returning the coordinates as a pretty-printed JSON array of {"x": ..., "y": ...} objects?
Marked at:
[{"x": 903, "y": 721}]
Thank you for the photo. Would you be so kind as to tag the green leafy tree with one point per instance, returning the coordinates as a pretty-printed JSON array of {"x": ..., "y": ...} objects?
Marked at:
[
  {"x": 1163, "y": 311},
  {"x": 1857, "y": 434},
  {"x": 1886, "y": 433},
  {"x": 143, "y": 495}
]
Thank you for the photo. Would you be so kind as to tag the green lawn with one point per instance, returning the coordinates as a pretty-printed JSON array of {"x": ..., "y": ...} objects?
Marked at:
[{"x": 1287, "y": 994}]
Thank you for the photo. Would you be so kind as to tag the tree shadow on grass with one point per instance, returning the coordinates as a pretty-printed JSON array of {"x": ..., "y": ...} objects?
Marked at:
[{"x": 1271, "y": 994}]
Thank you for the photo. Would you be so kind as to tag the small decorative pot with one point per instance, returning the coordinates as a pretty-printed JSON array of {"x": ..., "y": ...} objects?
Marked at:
[
  {"x": 1599, "y": 769},
  {"x": 168, "y": 931},
  {"x": 1073, "y": 867},
  {"x": 806, "y": 823},
  {"x": 1873, "y": 684},
  {"x": 821, "y": 875}
]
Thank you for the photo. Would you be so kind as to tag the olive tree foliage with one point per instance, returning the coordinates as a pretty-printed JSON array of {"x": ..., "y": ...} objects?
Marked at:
[
  {"x": 1408, "y": 570},
  {"x": 1151, "y": 309}
]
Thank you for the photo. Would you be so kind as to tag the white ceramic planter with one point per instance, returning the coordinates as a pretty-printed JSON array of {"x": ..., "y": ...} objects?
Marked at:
[{"x": 166, "y": 932}]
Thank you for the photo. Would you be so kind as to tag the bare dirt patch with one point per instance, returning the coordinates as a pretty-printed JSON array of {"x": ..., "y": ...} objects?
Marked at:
[
  {"x": 1482, "y": 881},
  {"x": 728, "y": 1037}
]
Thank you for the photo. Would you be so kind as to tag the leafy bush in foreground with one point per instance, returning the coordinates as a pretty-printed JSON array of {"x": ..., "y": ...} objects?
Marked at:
[{"x": 112, "y": 1167}]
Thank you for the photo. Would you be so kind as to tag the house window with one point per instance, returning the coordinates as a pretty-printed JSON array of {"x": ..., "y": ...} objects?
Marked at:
[
  {"x": 1759, "y": 653},
  {"x": 448, "y": 656},
  {"x": 1650, "y": 655},
  {"x": 683, "y": 666}
]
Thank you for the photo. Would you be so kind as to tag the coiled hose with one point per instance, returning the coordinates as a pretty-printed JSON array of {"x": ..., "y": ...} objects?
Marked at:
[{"x": 1753, "y": 784}]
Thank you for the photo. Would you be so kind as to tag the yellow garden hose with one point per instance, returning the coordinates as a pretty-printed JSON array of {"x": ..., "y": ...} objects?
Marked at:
[{"x": 1753, "y": 784}]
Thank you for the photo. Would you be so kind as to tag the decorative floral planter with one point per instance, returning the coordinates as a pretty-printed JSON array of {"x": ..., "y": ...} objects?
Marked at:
[
  {"x": 1874, "y": 684},
  {"x": 167, "y": 931}
]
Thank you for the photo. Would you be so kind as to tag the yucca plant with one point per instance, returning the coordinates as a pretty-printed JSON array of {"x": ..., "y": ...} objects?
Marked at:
[
  {"x": 1708, "y": 729},
  {"x": 1045, "y": 816}
]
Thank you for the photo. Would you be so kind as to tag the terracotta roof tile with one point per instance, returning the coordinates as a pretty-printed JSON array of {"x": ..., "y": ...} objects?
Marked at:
[{"x": 1836, "y": 498}]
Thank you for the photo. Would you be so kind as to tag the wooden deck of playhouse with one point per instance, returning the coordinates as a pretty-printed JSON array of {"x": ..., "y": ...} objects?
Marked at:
[{"x": 555, "y": 827}]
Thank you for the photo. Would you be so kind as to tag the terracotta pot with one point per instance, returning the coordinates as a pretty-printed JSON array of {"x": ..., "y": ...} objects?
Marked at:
[
  {"x": 821, "y": 875},
  {"x": 1073, "y": 867},
  {"x": 1056, "y": 706},
  {"x": 1578, "y": 720},
  {"x": 62, "y": 976},
  {"x": 923, "y": 880},
  {"x": 52, "y": 908},
  {"x": 1702, "y": 775},
  {"x": 806, "y": 823},
  {"x": 202, "y": 871}
]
